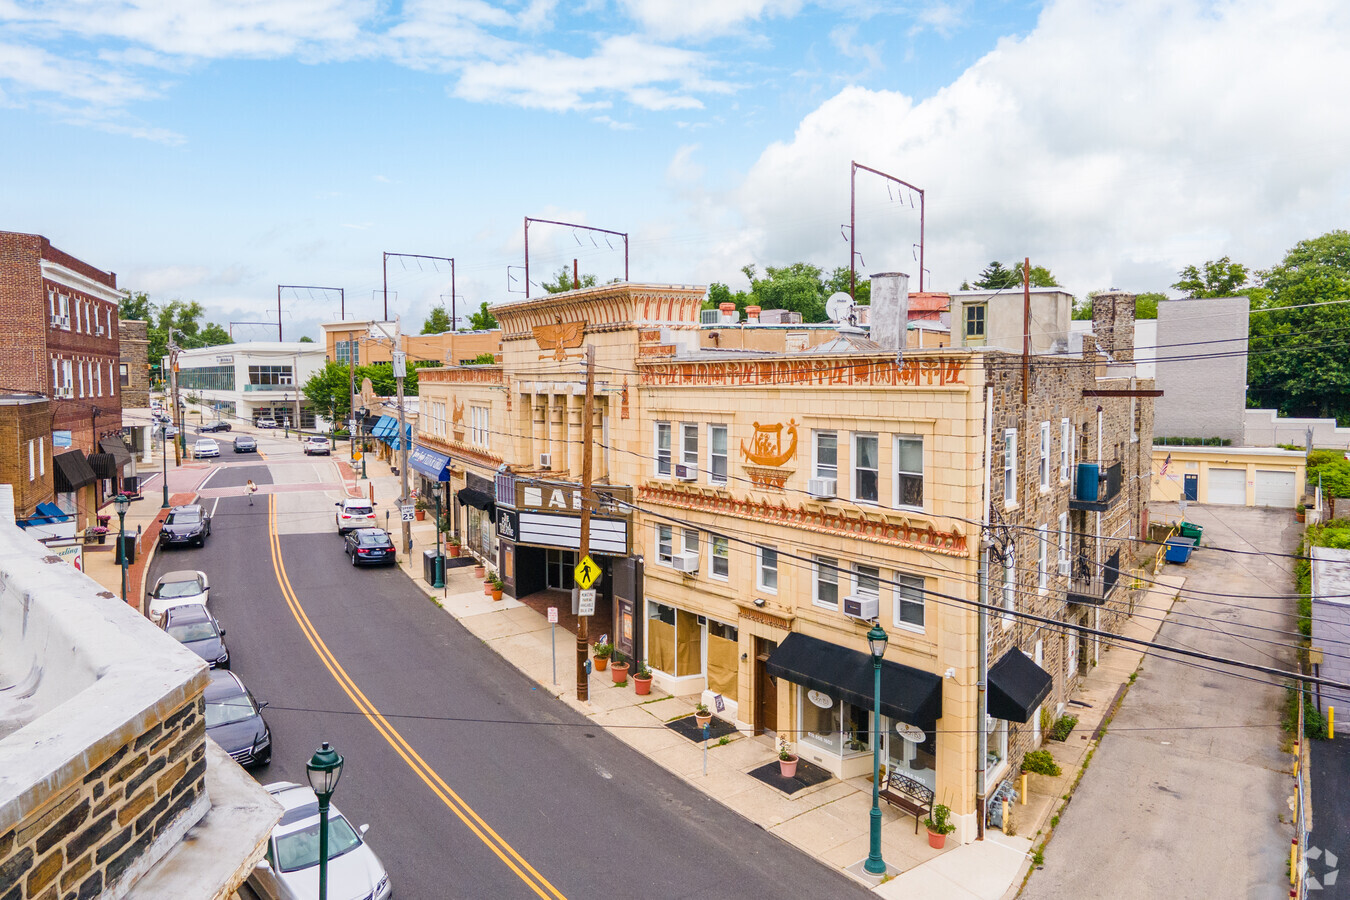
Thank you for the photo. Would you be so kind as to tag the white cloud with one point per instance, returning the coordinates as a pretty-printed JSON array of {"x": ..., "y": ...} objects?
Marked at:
[
  {"x": 613, "y": 124},
  {"x": 1114, "y": 143},
  {"x": 702, "y": 19}
]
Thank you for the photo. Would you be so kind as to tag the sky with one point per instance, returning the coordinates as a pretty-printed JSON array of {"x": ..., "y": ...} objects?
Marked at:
[{"x": 212, "y": 150}]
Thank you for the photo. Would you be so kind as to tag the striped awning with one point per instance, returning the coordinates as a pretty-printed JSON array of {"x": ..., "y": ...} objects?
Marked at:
[{"x": 71, "y": 471}]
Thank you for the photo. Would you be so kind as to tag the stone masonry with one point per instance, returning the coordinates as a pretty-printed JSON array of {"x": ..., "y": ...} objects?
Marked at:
[{"x": 135, "y": 348}]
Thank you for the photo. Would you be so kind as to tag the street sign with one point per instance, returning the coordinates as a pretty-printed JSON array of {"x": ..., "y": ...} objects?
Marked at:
[
  {"x": 586, "y": 603},
  {"x": 553, "y": 615},
  {"x": 356, "y": 457},
  {"x": 719, "y": 703},
  {"x": 399, "y": 364},
  {"x": 587, "y": 572},
  {"x": 407, "y": 513}
]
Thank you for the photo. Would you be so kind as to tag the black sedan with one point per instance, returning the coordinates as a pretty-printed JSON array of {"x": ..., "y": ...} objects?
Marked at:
[
  {"x": 196, "y": 629},
  {"x": 214, "y": 426},
  {"x": 234, "y": 720},
  {"x": 245, "y": 444},
  {"x": 370, "y": 547},
  {"x": 186, "y": 525}
]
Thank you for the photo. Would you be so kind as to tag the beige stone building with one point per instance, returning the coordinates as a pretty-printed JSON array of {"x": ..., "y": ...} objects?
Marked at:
[
  {"x": 134, "y": 365},
  {"x": 757, "y": 508}
]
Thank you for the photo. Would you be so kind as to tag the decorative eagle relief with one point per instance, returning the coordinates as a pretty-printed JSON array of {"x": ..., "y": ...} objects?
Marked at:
[
  {"x": 766, "y": 447},
  {"x": 559, "y": 337}
]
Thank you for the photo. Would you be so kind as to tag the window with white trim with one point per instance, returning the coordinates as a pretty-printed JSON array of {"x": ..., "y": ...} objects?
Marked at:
[
  {"x": 689, "y": 446},
  {"x": 1010, "y": 465},
  {"x": 720, "y": 551},
  {"x": 909, "y": 601},
  {"x": 1064, "y": 543},
  {"x": 98, "y": 380},
  {"x": 42, "y": 456},
  {"x": 866, "y": 477},
  {"x": 691, "y": 541},
  {"x": 662, "y": 442},
  {"x": 79, "y": 374},
  {"x": 767, "y": 577},
  {"x": 32, "y": 461},
  {"x": 1045, "y": 456},
  {"x": 826, "y": 452},
  {"x": 826, "y": 578},
  {"x": 866, "y": 581},
  {"x": 1065, "y": 448},
  {"x": 717, "y": 454},
  {"x": 665, "y": 545},
  {"x": 909, "y": 472},
  {"x": 1009, "y": 588},
  {"x": 68, "y": 370},
  {"x": 1042, "y": 559}
]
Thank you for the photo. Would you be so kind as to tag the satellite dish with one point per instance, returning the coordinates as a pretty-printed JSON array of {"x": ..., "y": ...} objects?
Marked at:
[
  {"x": 839, "y": 306},
  {"x": 911, "y": 733}
]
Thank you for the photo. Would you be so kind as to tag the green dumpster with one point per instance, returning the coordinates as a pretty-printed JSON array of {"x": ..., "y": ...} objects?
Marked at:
[{"x": 1191, "y": 530}]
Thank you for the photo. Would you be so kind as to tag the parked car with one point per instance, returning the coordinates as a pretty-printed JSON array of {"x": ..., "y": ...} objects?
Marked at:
[
  {"x": 267, "y": 422},
  {"x": 170, "y": 432},
  {"x": 188, "y": 524},
  {"x": 371, "y": 547},
  {"x": 215, "y": 426},
  {"x": 354, "y": 871},
  {"x": 193, "y": 626},
  {"x": 352, "y": 514},
  {"x": 234, "y": 721},
  {"x": 204, "y": 448},
  {"x": 245, "y": 444},
  {"x": 315, "y": 446},
  {"x": 176, "y": 589}
]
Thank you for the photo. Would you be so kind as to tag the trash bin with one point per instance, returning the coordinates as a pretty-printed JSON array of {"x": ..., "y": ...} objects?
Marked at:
[
  {"x": 1191, "y": 530},
  {"x": 126, "y": 546},
  {"x": 429, "y": 566},
  {"x": 1179, "y": 549}
]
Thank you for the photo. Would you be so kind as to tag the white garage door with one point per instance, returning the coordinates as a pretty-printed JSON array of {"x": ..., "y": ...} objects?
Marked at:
[
  {"x": 1275, "y": 488},
  {"x": 1227, "y": 486}
]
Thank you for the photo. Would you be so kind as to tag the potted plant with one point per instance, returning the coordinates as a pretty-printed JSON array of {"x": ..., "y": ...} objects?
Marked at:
[
  {"x": 420, "y": 509},
  {"x": 1300, "y": 513},
  {"x": 787, "y": 760},
  {"x": 602, "y": 653},
  {"x": 97, "y": 534},
  {"x": 702, "y": 715},
  {"x": 479, "y": 570},
  {"x": 105, "y": 521},
  {"x": 487, "y": 584},
  {"x": 939, "y": 826},
  {"x": 497, "y": 587},
  {"x": 642, "y": 679},
  {"x": 452, "y": 546},
  {"x": 618, "y": 667}
]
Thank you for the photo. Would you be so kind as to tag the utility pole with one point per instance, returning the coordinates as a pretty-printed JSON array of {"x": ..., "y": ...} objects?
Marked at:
[
  {"x": 351, "y": 388},
  {"x": 400, "y": 366},
  {"x": 584, "y": 548},
  {"x": 295, "y": 383},
  {"x": 177, "y": 411}
]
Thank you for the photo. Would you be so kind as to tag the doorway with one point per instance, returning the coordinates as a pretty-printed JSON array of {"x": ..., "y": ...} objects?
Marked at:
[
  {"x": 766, "y": 688},
  {"x": 1191, "y": 487}
]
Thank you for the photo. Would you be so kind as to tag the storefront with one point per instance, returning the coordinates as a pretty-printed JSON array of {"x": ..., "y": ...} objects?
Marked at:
[
  {"x": 1017, "y": 688},
  {"x": 479, "y": 532},
  {"x": 694, "y": 652},
  {"x": 71, "y": 477},
  {"x": 431, "y": 476}
]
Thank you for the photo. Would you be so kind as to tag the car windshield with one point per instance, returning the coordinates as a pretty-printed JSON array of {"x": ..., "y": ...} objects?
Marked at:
[
  {"x": 229, "y": 709},
  {"x": 243, "y": 440},
  {"x": 358, "y": 511},
  {"x": 184, "y": 517},
  {"x": 373, "y": 540},
  {"x": 300, "y": 849},
  {"x": 191, "y": 631},
  {"x": 179, "y": 588}
]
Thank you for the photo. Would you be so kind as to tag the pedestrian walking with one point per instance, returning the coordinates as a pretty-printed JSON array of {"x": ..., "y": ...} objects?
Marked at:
[{"x": 252, "y": 489}]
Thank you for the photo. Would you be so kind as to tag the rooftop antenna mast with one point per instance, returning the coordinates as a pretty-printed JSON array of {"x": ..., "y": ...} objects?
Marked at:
[
  {"x": 384, "y": 268},
  {"x": 528, "y": 220},
  {"x": 853, "y": 217}
]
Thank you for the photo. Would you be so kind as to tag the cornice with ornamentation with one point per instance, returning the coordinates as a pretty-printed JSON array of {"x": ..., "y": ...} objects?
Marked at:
[
  {"x": 459, "y": 449},
  {"x": 461, "y": 375}
]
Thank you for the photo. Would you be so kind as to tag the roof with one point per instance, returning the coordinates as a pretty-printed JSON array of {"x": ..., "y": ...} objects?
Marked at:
[
  {"x": 929, "y": 301},
  {"x": 848, "y": 341},
  {"x": 181, "y": 575}
]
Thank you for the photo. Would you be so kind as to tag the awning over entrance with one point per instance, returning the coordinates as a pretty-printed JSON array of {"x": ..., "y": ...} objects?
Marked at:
[
  {"x": 70, "y": 471},
  {"x": 119, "y": 450},
  {"x": 386, "y": 427},
  {"x": 1016, "y": 687},
  {"x": 907, "y": 694},
  {"x": 435, "y": 466},
  {"x": 104, "y": 465},
  {"x": 476, "y": 499}
]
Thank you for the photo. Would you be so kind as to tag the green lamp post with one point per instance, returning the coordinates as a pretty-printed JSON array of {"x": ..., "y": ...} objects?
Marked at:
[
  {"x": 323, "y": 771},
  {"x": 122, "y": 503},
  {"x": 876, "y": 642}
]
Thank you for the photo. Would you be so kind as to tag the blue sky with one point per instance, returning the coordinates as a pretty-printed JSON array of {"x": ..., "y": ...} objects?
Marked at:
[{"x": 213, "y": 150}]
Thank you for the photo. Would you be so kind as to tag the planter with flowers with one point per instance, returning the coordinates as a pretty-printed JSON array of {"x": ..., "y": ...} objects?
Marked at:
[
  {"x": 602, "y": 653},
  {"x": 642, "y": 679},
  {"x": 939, "y": 826},
  {"x": 618, "y": 667},
  {"x": 787, "y": 760}
]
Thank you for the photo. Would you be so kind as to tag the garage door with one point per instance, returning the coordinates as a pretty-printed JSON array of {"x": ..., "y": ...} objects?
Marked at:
[
  {"x": 1274, "y": 488},
  {"x": 1227, "y": 486}
]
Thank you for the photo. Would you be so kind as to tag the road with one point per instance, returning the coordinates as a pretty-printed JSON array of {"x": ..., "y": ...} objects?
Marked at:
[{"x": 474, "y": 783}]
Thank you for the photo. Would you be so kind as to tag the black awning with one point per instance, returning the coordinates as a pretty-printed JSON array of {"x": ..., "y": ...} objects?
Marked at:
[
  {"x": 476, "y": 499},
  {"x": 907, "y": 694},
  {"x": 71, "y": 471},
  {"x": 119, "y": 450},
  {"x": 1016, "y": 687},
  {"x": 104, "y": 465}
]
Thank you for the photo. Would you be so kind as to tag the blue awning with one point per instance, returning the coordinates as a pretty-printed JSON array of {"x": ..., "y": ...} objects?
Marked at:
[
  {"x": 435, "y": 466},
  {"x": 51, "y": 510},
  {"x": 387, "y": 427}
]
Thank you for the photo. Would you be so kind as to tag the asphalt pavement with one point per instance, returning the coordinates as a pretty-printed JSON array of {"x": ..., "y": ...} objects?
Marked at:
[
  {"x": 475, "y": 783},
  {"x": 1329, "y": 843}
]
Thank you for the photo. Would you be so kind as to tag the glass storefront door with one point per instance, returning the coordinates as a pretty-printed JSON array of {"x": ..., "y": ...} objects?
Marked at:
[{"x": 908, "y": 753}]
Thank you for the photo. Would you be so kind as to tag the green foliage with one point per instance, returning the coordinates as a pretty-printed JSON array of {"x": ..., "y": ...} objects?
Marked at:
[
  {"x": 1193, "y": 441},
  {"x": 603, "y": 650},
  {"x": 996, "y": 277},
  {"x": 1038, "y": 856},
  {"x": 940, "y": 821},
  {"x": 1220, "y": 278},
  {"x": 1314, "y": 722},
  {"x": 483, "y": 359},
  {"x": 1331, "y": 469},
  {"x": 328, "y": 390},
  {"x": 1145, "y": 305},
  {"x": 483, "y": 320},
  {"x": 1040, "y": 762},
  {"x": 176, "y": 314},
  {"x": 437, "y": 322},
  {"x": 304, "y": 339},
  {"x": 800, "y": 287},
  {"x": 562, "y": 281},
  {"x": 1062, "y": 728}
]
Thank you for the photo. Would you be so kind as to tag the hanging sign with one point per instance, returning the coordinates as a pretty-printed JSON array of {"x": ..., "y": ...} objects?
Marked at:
[
  {"x": 587, "y": 572},
  {"x": 821, "y": 699}
]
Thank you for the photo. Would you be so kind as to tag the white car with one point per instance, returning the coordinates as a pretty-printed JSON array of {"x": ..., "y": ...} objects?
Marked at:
[
  {"x": 267, "y": 422},
  {"x": 205, "y": 447},
  {"x": 291, "y": 864},
  {"x": 315, "y": 446},
  {"x": 356, "y": 513},
  {"x": 177, "y": 589}
]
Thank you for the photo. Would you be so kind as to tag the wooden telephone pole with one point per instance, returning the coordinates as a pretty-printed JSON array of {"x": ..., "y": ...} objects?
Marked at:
[{"x": 584, "y": 548}]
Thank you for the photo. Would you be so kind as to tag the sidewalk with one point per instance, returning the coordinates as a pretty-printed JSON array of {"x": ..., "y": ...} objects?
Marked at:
[{"x": 829, "y": 821}]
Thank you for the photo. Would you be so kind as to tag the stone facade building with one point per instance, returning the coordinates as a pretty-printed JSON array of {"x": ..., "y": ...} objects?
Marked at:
[
  {"x": 134, "y": 365},
  {"x": 757, "y": 508}
]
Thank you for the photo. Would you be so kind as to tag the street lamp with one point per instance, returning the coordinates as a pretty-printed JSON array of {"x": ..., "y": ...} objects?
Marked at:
[
  {"x": 876, "y": 642},
  {"x": 122, "y": 503},
  {"x": 164, "y": 462},
  {"x": 364, "y": 412},
  {"x": 323, "y": 771}
]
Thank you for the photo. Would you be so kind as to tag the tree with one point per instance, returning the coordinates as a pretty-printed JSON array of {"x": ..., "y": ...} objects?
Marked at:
[
  {"x": 483, "y": 320},
  {"x": 437, "y": 322},
  {"x": 180, "y": 316},
  {"x": 995, "y": 277},
  {"x": 1040, "y": 277},
  {"x": 1221, "y": 278},
  {"x": 135, "y": 306},
  {"x": 304, "y": 339},
  {"x": 1297, "y": 360},
  {"x": 329, "y": 390},
  {"x": 562, "y": 281},
  {"x": 839, "y": 282},
  {"x": 213, "y": 336}
]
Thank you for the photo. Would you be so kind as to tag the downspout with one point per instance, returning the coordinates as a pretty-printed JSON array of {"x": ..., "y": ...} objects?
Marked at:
[{"x": 982, "y": 685}]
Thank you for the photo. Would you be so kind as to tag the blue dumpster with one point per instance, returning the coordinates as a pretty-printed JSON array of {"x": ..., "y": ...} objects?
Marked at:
[{"x": 1179, "y": 549}]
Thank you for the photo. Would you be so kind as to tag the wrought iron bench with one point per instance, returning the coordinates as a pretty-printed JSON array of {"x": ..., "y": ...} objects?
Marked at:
[{"x": 909, "y": 796}]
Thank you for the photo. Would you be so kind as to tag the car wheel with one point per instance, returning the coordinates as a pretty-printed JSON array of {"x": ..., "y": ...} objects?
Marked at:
[{"x": 353, "y": 556}]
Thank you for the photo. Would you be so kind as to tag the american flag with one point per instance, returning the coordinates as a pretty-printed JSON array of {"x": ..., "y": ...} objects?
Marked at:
[{"x": 1167, "y": 462}]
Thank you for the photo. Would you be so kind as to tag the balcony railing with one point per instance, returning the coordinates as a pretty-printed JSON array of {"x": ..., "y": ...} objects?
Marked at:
[
  {"x": 1094, "y": 488},
  {"x": 1094, "y": 591},
  {"x": 269, "y": 387}
]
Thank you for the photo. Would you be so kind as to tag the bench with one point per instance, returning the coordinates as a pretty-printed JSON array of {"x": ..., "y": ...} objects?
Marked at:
[{"x": 909, "y": 796}]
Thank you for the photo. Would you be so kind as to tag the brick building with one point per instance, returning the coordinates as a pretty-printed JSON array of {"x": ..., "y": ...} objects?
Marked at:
[
  {"x": 134, "y": 363},
  {"x": 59, "y": 316},
  {"x": 26, "y": 450}
]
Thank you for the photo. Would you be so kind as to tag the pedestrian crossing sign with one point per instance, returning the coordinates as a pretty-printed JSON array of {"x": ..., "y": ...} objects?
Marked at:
[{"x": 587, "y": 572}]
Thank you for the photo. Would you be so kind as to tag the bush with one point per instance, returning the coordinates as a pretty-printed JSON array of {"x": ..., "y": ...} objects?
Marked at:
[
  {"x": 1040, "y": 762},
  {"x": 1062, "y": 728}
]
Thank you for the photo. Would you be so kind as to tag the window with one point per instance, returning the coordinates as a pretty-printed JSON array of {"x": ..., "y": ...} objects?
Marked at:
[
  {"x": 122, "y": 375},
  {"x": 79, "y": 372},
  {"x": 347, "y": 353},
  {"x": 865, "y": 468},
  {"x": 665, "y": 545},
  {"x": 1045, "y": 456},
  {"x": 1010, "y": 465},
  {"x": 768, "y": 570},
  {"x": 274, "y": 376},
  {"x": 1009, "y": 588},
  {"x": 1065, "y": 448},
  {"x": 663, "y": 448},
  {"x": 98, "y": 380},
  {"x": 827, "y": 582},
  {"x": 975, "y": 319},
  {"x": 867, "y": 581},
  {"x": 32, "y": 461},
  {"x": 827, "y": 455},
  {"x": 689, "y": 446},
  {"x": 909, "y": 472},
  {"x": 112, "y": 382},
  {"x": 996, "y": 744},
  {"x": 721, "y": 556},
  {"x": 691, "y": 541},
  {"x": 717, "y": 454},
  {"x": 1042, "y": 559},
  {"x": 1064, "y": 543},
  {"x": 42, "y": 456},
  {"x": 909, "y": 601},
  {"x": 480, "y": 430}
]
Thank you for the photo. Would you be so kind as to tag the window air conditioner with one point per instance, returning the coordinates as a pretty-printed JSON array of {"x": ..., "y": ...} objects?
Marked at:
[
  {"x": 55, "y": 320},
  {"x": 1064, "y": 567},
  {"x": 862, "y": 606},
  {"x": 545, "y": 460},
  {"x": 823, "y": 488},
  {"x": 686, "y": 473},
  {"x": 99, "y": 332},
  {"x": 65, "y": 322},
  {"x": 685, "y": 562}
]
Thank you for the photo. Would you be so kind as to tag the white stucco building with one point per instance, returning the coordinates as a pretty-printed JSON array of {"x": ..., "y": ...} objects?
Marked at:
[{"x": 246, "y": 382}]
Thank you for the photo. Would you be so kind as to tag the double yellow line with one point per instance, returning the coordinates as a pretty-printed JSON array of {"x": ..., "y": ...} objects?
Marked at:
[{"x": 505, "y": 852}]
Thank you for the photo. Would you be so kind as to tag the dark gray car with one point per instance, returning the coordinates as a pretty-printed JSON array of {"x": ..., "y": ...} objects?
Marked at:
[
  {"x": 187, "y": 524},
  {"x": 193, "y": 626},
  {"x": 234, "y": 720}
]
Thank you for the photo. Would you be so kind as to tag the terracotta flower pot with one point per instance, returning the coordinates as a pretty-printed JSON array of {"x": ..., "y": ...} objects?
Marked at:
[
  {"x": 479, "y": 571},
  {"x": 496, "y": 594},
  {"x": 419, "y": 514},
  {"x": 619, "y": 672},
  {"x": 937, "y": 841},
  {"x": 453, "y": 550},
  {"x": 703, "y": 721},
  {"x": 787, "y": 767},
  {"x": 487, "y": 587},
  {"x": 601, "y": 663},
  {"x": 643, "y": 686}
]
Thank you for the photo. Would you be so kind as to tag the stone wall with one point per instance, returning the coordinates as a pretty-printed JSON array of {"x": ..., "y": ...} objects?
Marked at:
[{"x": 135, "y": 348}]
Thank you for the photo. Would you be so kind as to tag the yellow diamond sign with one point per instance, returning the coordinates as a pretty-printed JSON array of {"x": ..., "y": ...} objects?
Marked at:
[{"x": 587, "y": 573}]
